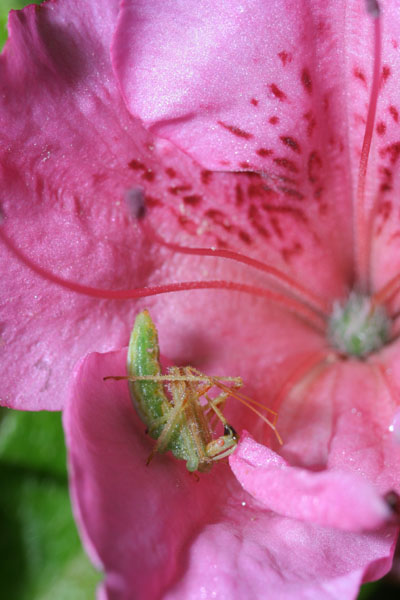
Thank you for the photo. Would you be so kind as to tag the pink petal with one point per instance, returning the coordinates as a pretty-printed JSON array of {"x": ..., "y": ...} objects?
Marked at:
[
  {"x": 159, "y": 532},
  {"x": 328, "y": 498},
  {"x": 64, "y": 188},
  {"x": 384, "y": 174}
]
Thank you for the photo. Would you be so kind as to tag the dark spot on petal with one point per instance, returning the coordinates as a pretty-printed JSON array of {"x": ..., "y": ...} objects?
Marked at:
[
  {"x": 309, "y": 117},
  {"x": 286, "y": 164},
  {"x": 236, "y": 130},
  {"x": 385, "y": 73},
  {"x": 291, "y": 143},
  {"x": 394, "y": 112},
  {"x": 277, "y": 92},
  {"x": 276, "y": 227},
  {"x": 170, "y": 172},
  {"x": 313, "y": 165},
  {"x": 137, "y": 165},
  {"x": 297, "y": 213},
  {"x": 380, "y": 128},
  {"x": 291, "y": 193},
  {"x": 274, "y": 120},
  {"x": 287, "y": 253},
  {"x": 285, "y": 57},
  {"x": 254, "y": 102},
  {"x": 192, "y": 200},
  {"x": 393, "y": 150},
  {"x": 148, "y": 175},
  {"x": 189, "y": 225},
  {"x": 151, "y": 201},
  {"x": 244, "y": 236},
  {"x": 306, "y": 80},
  {"x": 206, "y": 176},
  {"x": 219, "y": 218},
  {"x": 264, "y": 152},
  {"x": 255, "y": 220},
  {"x": 358, "y": 74}
]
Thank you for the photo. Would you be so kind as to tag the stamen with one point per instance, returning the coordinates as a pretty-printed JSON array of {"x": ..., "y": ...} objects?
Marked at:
[
  {"x": 290, "y": 304},
  {"x": 311, "y": 362},
  {"x": 317, "y": 303},
  {"x": 387, "y": 292},
  {"x": 362, "y": 226}
]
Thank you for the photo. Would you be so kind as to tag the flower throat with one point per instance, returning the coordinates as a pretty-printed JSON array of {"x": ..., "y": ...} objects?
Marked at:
[{"x": 358, "y": 326}]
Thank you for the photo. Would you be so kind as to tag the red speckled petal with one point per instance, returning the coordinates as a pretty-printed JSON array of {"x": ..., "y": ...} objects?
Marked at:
[
  {"x": 205, "y": 538},
  {"x": 68, "y": 161},
  {"x": 384, "y": 176}
]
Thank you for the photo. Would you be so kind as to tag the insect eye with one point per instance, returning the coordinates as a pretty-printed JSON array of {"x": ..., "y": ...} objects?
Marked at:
[{"x": 229, "y": 430}]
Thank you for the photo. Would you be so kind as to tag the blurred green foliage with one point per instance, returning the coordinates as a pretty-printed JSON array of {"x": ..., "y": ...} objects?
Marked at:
[{"x": 41, "y": 557}]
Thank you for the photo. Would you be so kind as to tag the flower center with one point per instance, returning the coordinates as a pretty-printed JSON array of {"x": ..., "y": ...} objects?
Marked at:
[{"x": 358, "y": 326}]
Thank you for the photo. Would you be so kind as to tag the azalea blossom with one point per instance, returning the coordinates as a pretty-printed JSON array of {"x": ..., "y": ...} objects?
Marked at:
[{"x": 235, "y": 157}]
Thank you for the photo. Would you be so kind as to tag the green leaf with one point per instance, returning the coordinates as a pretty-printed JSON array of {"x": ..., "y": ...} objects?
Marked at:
[{"x": 41, "y": 556}]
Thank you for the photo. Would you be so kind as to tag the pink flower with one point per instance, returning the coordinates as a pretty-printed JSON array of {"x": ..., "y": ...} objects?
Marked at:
[{"x": 279, "y": 93}]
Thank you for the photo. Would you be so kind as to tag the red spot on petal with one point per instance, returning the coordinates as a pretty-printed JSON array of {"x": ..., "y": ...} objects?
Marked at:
[
  {"x": 394, "y": 112},
  {"x": 151, "y": 201},
  {"x": 187, "y": 224},
  {"x": 244, "y": 236},
  {"x": 291, "y": 193},
  {"x": 311, "y": 122},
  {"x": 286, "y": 164},
  {"x": 206, "y": 176},
  {"x": 236, "y": 130},
  {"x": 192, "y": 200},
  {"x": 385, "y": 73},
  {"x": 285, "y": 57},
  {"x": 255, "y": 220},
  {"x": 274, "y": 120},
  {"x": 219, "y": 218},
  {"x": 358, "y": 74},
  {"x": 291, "y": 143},
  {"x": 313, "y": 165},
  {"x": 384, "y": 211},
  {"x": 393, "y": 150},
  {"x": 277, "y": 92},
  {"x": 395, "y": 44},
  {"x": 148, "y": 175},
  {"x": 276, "y": 227},
  {"x": 288, "y": 253},
  {"x": 387, "y": 179},
  {"x": 170, "y": 172},
  {"x": 254, "y": 101},
  {"x": 306, "y": 80},
  {"x": 264, "y": 152},
  {"x": 297, "y": 213},
  {"x": 136, "y": 165},
  {"x": 380, "y": 128}
]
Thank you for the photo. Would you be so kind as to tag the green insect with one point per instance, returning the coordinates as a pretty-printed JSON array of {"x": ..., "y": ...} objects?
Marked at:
[{"x": 177, "y": 407}]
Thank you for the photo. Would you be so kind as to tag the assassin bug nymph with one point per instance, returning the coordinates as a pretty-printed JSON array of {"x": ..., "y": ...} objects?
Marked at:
[{"x": 177, "y": 407}]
